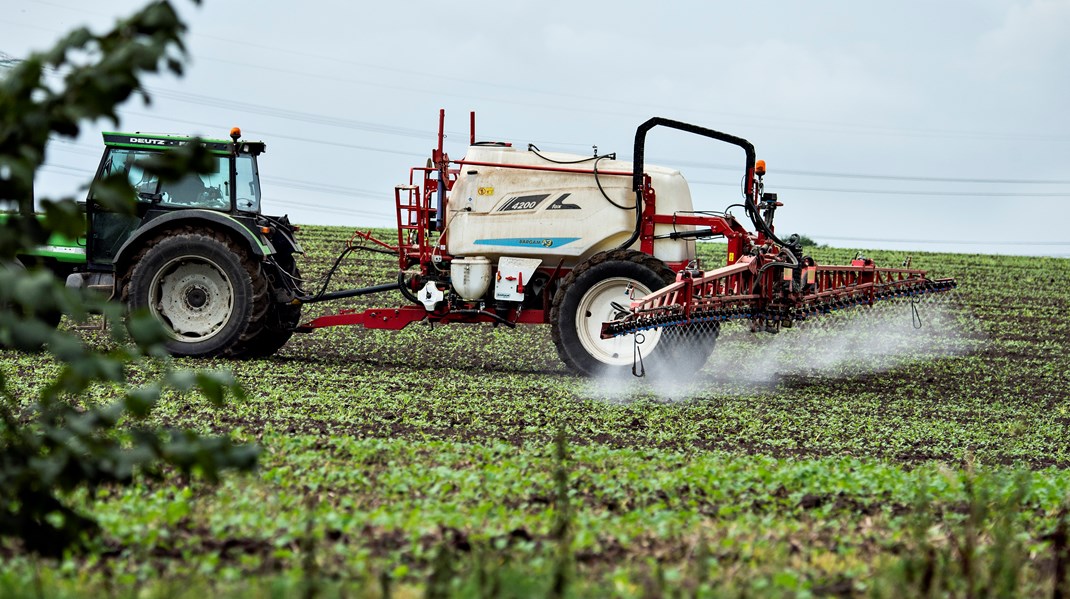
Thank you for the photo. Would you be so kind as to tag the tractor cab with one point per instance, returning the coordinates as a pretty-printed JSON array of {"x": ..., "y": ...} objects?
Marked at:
[
  {"x": 233, "y": 185},
  {"x": 231, "y": 188}
]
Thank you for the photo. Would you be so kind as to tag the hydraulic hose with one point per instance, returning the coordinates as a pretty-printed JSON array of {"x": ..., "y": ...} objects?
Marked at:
[
  {"x": 750, "y": 202},
  {"x": 612, "y": 156},
  {"x": 495, "y": 317},
  {"x": 404, "y": 288}
]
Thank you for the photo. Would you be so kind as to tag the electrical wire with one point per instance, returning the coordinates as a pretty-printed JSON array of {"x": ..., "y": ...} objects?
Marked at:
[
  {"x": 943, "y": 241},
  {"x": 764, "y": 120},
  {"x": 992, "y": 194},
  {"x": 290, "y": 115},
  {"x": 876, "y": 176}
]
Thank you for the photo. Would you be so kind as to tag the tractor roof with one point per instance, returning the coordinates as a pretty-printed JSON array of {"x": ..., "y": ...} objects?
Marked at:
[{"x": 157, "y": 142}]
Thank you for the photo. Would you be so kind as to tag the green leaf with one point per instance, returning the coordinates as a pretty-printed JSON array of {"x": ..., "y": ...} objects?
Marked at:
[
  {"x": 140, "y": 401},
  {"x": 214, "y": 384},
  {"x": 145, "y": 329}
]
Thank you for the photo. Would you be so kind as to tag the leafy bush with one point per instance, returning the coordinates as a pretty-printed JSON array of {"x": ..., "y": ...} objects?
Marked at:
[{"x": 54, "y": 444}]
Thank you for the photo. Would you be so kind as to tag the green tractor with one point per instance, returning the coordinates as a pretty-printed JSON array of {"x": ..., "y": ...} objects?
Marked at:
[{"x": 197, "y": 252}]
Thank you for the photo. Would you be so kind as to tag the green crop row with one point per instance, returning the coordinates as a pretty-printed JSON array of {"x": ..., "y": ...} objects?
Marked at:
[{"x": 849, "y": 455}]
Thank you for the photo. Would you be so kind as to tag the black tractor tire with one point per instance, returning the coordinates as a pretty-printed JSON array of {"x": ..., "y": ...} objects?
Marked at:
[
  {"x": 205, "y": 288},
  {"x": 51, "y": 318},
  {"x": 587, "y": 297},
  {"x": 280, "y": 323}
]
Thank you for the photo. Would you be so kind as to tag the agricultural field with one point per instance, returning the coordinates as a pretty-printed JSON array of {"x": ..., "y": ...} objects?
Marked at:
[{"x": 853, "y": 456}]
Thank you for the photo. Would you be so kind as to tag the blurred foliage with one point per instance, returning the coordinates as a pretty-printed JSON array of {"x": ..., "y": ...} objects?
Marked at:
[
  {"x": 56, "y": 443},
  {"x": 808, "y": 242}
]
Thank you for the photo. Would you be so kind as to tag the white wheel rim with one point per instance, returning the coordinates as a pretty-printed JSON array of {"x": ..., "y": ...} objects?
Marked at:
[
  {"x": 192, "y": 297},
  {"x": 596, "y": 307}
]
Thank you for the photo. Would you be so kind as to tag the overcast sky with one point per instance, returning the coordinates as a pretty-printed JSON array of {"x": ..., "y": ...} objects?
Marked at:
[{"x": 910, "y": 120}]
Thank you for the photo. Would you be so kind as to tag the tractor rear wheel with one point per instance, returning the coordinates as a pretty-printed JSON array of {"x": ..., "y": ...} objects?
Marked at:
[
  {"x": 202, "y": 288},
  {"x": 601, "y": 289},
  {"x": 280, "y": 323}
]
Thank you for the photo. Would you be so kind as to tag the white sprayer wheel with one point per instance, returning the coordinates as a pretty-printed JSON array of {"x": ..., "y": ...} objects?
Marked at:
[{"x": 596, "y": 307}]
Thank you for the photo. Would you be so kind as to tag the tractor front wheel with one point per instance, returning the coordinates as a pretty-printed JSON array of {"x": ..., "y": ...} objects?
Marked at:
[{"x": 199, "y": 287}]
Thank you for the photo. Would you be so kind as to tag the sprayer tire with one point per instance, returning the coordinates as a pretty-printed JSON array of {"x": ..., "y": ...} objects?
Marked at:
[
  {"x": 582, "y": 303},
  {"x": 206, "y": 290}
]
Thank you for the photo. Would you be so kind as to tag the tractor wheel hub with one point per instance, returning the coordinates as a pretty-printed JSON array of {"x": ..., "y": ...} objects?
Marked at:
[{"x": 194, "y": 296}]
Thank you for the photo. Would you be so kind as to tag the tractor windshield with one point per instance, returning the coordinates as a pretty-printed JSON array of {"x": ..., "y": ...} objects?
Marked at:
[
  {"x": 206, "y": 190},
  {"x": 247, "y": 184}
]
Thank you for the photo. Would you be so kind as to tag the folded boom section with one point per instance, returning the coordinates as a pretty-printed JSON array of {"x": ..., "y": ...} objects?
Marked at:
[{"x": 771, "y": 294}]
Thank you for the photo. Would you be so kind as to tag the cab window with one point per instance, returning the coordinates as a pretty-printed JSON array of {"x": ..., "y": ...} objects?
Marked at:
[
  {"x": 247, "y": 184},
  {"x": 126, "y": 163},
  {"x": 206, "y": 190}
]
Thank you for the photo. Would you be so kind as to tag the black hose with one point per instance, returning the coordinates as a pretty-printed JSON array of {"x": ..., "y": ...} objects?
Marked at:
[
  {"x": 638, "y": 157},
  {"x": 758, "y": 275},
  {"x": 334, "y": 268},
  {"x": 612, "y": 156},
  {"x": 604, "y": 194},
  {"x": 499, "y": 319},
  {"x": 404, "y": 287},
  {"x": 535, "y": 150},
  {"x": 330, "y": 273},
  {"x": 750, "y": 202}
]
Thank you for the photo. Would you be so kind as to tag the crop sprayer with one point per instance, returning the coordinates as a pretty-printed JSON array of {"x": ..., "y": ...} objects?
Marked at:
[{"x": 602, "y": 250}]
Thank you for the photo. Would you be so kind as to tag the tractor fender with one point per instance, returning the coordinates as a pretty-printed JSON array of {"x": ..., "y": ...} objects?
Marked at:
[{"x": 195, "y": 217}]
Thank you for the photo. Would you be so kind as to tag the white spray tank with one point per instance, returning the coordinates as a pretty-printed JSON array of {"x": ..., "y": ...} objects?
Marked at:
[{"x": 548, "y": 205}]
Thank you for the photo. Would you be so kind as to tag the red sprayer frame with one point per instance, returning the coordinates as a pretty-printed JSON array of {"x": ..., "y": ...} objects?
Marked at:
[{"x": 764, "y": 280}]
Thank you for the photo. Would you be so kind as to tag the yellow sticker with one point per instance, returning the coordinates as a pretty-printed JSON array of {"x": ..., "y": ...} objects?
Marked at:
[
  {"x": 731, "y": 257},
  {"x": 486, "y": 191}
]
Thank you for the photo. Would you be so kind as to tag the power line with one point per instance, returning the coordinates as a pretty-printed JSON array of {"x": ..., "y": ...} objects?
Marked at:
[
  {"x": 925, "y": 179},
  {"x": 319, "y": 142},
  {"x": 275, "y": 202},
  {"x": 943, "y": 241},
  {"x": 63, "y": 170},
  {"x": 809, "y": 124},
  {"x": 887, "y": 177},
  {"x": 911, "y": 192},
  {"x": 323, "y": 188},
  {"x": 417, "y": 133},
  {"x": 291, "y": 115},
  {"x": 730, "y": 168},
  {"x": 327, "y": 188}
]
